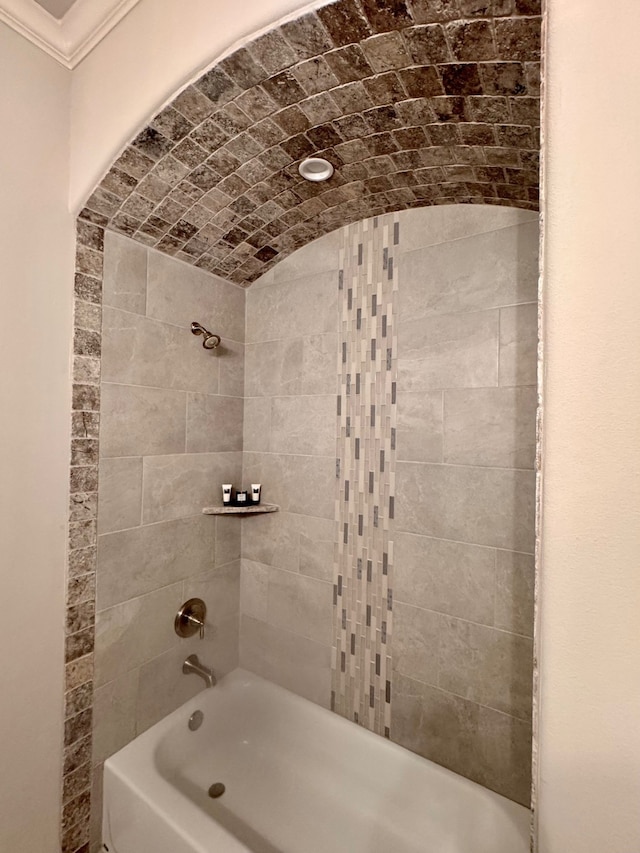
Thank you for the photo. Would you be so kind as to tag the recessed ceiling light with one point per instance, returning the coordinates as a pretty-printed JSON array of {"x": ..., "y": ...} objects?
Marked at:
[{"x": 315, "y": 169}]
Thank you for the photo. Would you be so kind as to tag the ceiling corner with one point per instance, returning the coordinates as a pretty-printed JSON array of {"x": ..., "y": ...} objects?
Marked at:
[{"x": 71, "y": 38}]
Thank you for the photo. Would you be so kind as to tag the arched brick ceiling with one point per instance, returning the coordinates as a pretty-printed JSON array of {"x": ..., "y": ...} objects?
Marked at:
[{"x": 415, "y": 102}]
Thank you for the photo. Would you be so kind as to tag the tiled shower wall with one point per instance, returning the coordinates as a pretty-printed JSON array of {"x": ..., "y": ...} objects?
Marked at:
[
  {"x": 462, "y": 536},
  {"x": 171, "y": 432}
]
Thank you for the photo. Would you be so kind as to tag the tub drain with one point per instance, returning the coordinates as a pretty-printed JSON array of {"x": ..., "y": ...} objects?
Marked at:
[{"x": 216, "y": 790}]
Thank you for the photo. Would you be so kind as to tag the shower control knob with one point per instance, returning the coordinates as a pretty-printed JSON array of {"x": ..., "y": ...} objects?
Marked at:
[{"x": 190, "y": 618}]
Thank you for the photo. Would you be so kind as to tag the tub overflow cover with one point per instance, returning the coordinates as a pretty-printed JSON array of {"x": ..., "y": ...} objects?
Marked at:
[{"x": 216, "y": 790}]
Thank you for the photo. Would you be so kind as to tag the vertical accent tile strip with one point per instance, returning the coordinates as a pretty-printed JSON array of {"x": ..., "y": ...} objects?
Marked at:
[
  {"x": 83, "y": 512},
  {"x": 365, "y": 474}
]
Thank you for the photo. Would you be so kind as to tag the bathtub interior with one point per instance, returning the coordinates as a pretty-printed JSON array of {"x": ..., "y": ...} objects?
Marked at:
[{"x": 298, "y": 779}]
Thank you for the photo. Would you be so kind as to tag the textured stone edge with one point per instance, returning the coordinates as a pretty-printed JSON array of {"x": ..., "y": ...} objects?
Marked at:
[{"x": 82, "y": 539}]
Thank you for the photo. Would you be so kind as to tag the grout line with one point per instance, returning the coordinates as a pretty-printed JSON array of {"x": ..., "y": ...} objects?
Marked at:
[
  {"x": 157, "y": 320},
  {"x": 464, "y": 698},
  {"x": 462, "y": 619},
  {"x": 405, "y": 252}
]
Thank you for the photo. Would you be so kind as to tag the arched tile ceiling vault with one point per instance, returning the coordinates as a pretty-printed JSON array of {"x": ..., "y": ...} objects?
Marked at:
[{"x": 415, "y": 102}]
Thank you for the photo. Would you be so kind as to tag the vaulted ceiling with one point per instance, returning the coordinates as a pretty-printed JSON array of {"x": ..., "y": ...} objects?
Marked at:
[{"x": 414, "y": 103}]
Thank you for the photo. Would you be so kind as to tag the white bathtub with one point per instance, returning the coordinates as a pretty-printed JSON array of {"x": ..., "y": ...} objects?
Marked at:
[{"x": 298, "y": 779}]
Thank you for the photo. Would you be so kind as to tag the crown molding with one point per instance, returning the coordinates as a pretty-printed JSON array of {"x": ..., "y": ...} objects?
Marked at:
[{"x": 68, "y": 40}]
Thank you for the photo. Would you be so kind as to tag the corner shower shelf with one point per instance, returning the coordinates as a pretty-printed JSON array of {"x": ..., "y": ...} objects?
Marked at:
[{"x": 240, "y": 510}]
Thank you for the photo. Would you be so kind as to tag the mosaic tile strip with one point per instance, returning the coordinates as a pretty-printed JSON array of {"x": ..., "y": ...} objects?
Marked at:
[
  {"x": 414, "y": 102},
  {"x": 83, "y": 512},
  {"x": 365, "y": 474}
]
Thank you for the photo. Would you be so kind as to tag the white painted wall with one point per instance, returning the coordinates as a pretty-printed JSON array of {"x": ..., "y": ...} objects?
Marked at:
[
  {"x": 36, "y": 271},
  {"x": 154, "y": 52},
  {"x": 589, "y": 797}
]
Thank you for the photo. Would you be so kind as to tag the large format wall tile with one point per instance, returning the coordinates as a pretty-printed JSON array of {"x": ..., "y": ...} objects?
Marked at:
[
  {"x": 142, "y": 421},
  {"x": 214, "y": 423},
  {"x": 140, "y": 351},
  {"x": 124, "y": 282},
  {"x": 487, "y": 506},
  {"x": 304, "y": 425},
  {"x": 300, "y": 604},
  {"x": 514, "y": 592},
  {"x": 135, "y": 631},
  {"x": 490, "y": 426},
  {"x": 119, "y": 493},
  {"x": 298, "y": 484},
  {"x": 419, "y": 436},
  {"x": 133, "y": 562},
  {"x": 491, "y": 667},
  {"x": 448, "y": 351},
  {"x": 297, "y": 663},
  {"x": 518, "y": 344},
  {"x": 449, "y": 577},
  {"x": 181, "y": 485},
  {"x": 292, "y": 308},
  {"x": 471, "y": 274},
  {"x": 428, "y": 226},
  {"x": 178, "y": 293},
  {"x": 291, "y": 541},
  {"x": 487, "y": 746}
]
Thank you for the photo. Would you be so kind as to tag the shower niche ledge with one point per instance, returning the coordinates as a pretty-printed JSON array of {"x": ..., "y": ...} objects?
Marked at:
[{"x": 240, "y": 510}]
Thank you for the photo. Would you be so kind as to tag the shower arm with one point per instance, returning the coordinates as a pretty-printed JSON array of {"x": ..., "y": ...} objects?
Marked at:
[{"x": 209, "y": 340}]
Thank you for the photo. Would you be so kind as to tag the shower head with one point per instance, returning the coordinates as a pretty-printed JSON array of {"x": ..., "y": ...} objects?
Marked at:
[{"x": 209, "y": 340}]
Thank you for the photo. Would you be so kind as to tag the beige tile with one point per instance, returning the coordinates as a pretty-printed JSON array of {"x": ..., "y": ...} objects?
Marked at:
[
  {"x": 140, "y": 351},
  {"x": 220, "y": 591},
  {"x": 317, "y": 538},
  {"x": 125, "y": 273},
  {"x": 518, "y": 345},
  {"x": 319, "y": 256},
  {"x": 300, "y": 604},
  {"x": 490, "y": 426},
  {"x": 427, "y": 226},
  {"x": 305, "y": 425},
  {"x": 293, "y": 308},
  {"x": 159, "y": 554},
  {"x": 488, "y": 666},
  {"x": 299, "y": 484},
  {"x": 230, "y": 358},
  {"x": 141, "y": 421},
  {"x": 257, "y": 424},
  {"x": 319, "y": 354},
  {"x": 273, "y": 539},
  {"x": 114, "y": 715},
  {"x": 419, "y": 430},
  {"x": 515, "y": 577},
  {"x": 96, "y": 808},
  {"x": 254, "y": 581},
  {"x": 179, "y": 293},
  {"x": 135, "y": 631},
  {"x": 484, "y": 506},
  {"x": 177, "y": 486},
  {"x": 214, "y": 423},
  {"x": 274, "y": 367},
  {"x": 484, "y": 745},
  {"x": 449, "y": 577},
  {"x": 163, "y": 687},
  {"x": 119, "y": 493},
  {"x": 228, "y": 539},
  {"x": 415, "y": 641},
  {"x": 265, "y": 280},
  {"x": 483, "y": 271},
  {"x": 448, "y": 351},
  {"x": 299, "y": 664}
]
